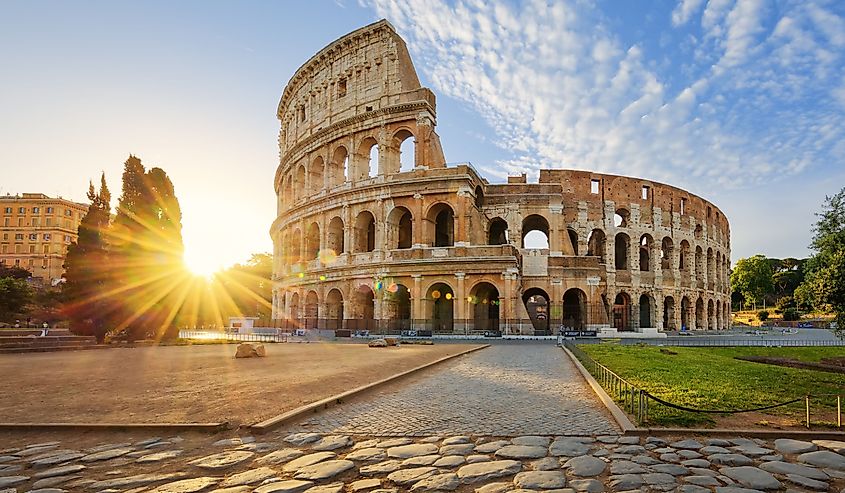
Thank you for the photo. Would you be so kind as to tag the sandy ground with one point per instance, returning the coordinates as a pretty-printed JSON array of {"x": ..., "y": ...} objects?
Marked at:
[{"x": 192, "y": 383}]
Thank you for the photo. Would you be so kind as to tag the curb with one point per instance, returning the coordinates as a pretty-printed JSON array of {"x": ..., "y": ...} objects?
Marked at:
[
  {"x": 279, "y": 420},
  {"x": 619, "y": 416},
  {"x": 204, "y": 427}
]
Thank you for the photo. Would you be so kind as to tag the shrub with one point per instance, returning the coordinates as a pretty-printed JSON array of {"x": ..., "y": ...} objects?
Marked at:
[
  {"x": 763, "y": 315},
  {"x": 791, "y": 314}
]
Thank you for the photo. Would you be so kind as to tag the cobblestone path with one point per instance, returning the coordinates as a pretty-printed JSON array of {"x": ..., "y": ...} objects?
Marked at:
[{"x": 504, "y": 390}]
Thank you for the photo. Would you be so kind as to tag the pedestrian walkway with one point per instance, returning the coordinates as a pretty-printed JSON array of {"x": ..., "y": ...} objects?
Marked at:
[{"x": 504, "y": 390}]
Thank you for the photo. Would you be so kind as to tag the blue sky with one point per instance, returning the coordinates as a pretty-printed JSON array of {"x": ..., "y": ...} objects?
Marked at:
[{"x": 740, "y": 101}]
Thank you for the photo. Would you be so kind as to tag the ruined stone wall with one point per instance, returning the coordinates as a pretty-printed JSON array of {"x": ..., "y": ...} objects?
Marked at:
[{"x": 358, "y": 238}]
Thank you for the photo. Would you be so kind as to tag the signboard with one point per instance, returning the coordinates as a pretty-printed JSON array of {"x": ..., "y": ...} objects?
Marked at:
[
  {"x": 579, "y": 333},
  {"x": 593, "y": 281}
]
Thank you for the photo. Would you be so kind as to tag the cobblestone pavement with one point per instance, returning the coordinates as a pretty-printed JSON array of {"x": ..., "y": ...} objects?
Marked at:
[{"x": 503, "y": 390}]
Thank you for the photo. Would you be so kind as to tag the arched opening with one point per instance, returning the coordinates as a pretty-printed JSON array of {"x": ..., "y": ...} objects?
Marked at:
[
  {"x": 334, "y": 236},
  {"x": 295, "y": 246},
  {"x": 621, "y": 218},
  {"x": 406, "y": 143},
  {"x": 498, "y": 233},
  {"x": 334, "y": 309},
  {"x": 699, "y": 232},
  {"x": 301, "y": 185},
  {"x": 484, "y": 300},
  {"x": 372, "y": 163},
  {"x": 339, "y": 168},
  {"x": 622, "y": 244},
  {"x": 397, "y": 307},
  {"x": 711, "y": 321},
  {"x": 645, "y": 310},
  {"x": 700, "y": 324},
  {"x": 646, "y": 244},
  {"x": 669, "y": 313},
  {"x": 699, "y": 264},
  {"x": 685, "y": 313},
  {"x": 574, "y": 309},
  {"x": 400, "y": 224},
  {"x": 667, "y": 248},
  {"x": 312, "y": 310},
  {"x": 683, "y": 260},
  {"x": 363, "y": 308},
  {"x": 365, "y": 232},
  {"x": 367, "y": 164},
  {"x": 440, "y": 303},
  {"x": 537, "y": 305},
  {"x": 290, "y": 198},
  {"x": 294, "y": 307},
  {"x": 535, "y": 232},
  {"x": 596, "y": 244},
  {"x": 479, "y": 197},
  {"x": 726, "y": 313},
  {"x": 312, "y": 248},
  {"x": 573, "y": 240},
  {"x": 441, "y": 218},
  {"x": 315, "y": 174},
  {"x": 718, "y": 316},
  {"x": 622, "y": 311},
  {"x": 711, "y": 269}
]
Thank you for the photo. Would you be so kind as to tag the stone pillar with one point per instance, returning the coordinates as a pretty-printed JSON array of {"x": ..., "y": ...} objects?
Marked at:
[
  {"x": 460, "y": 303},
  {"x": 416, "y": 301},
  {"x": 506, "y": 302}
]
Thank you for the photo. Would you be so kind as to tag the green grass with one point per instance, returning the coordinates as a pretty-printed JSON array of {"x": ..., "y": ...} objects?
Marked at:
[{"x": 710, "y": 378}]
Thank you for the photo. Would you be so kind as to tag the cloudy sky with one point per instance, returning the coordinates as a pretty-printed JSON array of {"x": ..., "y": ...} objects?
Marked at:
[{"x": 741, "y": 102}]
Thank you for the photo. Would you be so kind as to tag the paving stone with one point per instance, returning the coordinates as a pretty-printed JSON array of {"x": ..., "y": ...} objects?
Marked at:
[
  {"x": 522, "y": 451},
  {"x": 412, "y": 450},
  {"x": 332, "y": 442},
  {"x": 258, "y": 447},
  {"x": 54, "y": 481},
  {"x": 408, "y": 476},
  {"x": 367, "y": 454},
  {"x": 586, "y": 485},
  {"x": 718, "y": 442},
  {"x": 439, "y": 482},
  {"x": 658, "y": 478},
  {"x": 6, "y": 469},
  {"x": 807, "y": 482},
  {"x": 687, "y": 444},
  {"x": 47, "y": 490},
  {"x": 626, "y": 467},
  {"x": 735, "y": 489},
  {"x": 423, "y": 460},
  {"x": 231, "y": 442},
  {"x": 691, "y": 488},
  {"x": 364, "y": 484},
  {"x": 655, "y": 441},
  {"x": 223, "y": 460},
  {"x": 670, "y": 457},
  {"x": 835, "y": 445},
  {"x": 714, "y": 449},
  {"x": 568, "y": 447},
  {"x": 779, "y": 467},
  {"x": 324, "y": 470},
  {"x": 531, "y": 441},
  {"x": 540, "y": 480},
  {"x": 192, "y": 485},
  {"x": 491, "y": 447},
  {"x": 30, "y": 451},
  {"x": 495, "y": 488},
  {"x": 456, "y": 440},
  {"x": 287, "y": 486},
  {"x": 699, "y": 471},
  {"x": 688, "y": 454},
  {"x": 52, "y": 460},
  {"x": 251, "y": 476},
  {"x": 585, "y": 466},
  {"x": 664, "y": 450},
  {"x": 106, "y": 454},
  {"x": 630, "y": 449},
  {"x": 628, "y": 440},
  {"x": 752, "y": 477},
  {"x": 472, "y": 459},
  {"x": 60, "y": 471},
  {"x": 373, "y": 443},
  {"x": 395, "y": 442},
  {"x": 703, "y": 480},
  {"x": 280, "y": 456},
  {"x": 326, "y": 488},
  {"x": 381, "y": 468},
  {"x": 768, "y": 458},
  {"x": 107, "y": 446},
  {"x": 12, "y": 480},
  {"x": 300, "y": 439},
  {"x": 608, "y": 438},
  {"x": 158, "y": 456},
  {"x": 450, "y": 461},
  {"x": 673, "y": 469},
  {"x": 545, "y": 464},
  {"x": 457, "y": 449},
  {"x": 696, "y": 463},
  {"x": 308, "y": 460},
  {"x": 134, "y": 481},
  {"x": 823, "y": 458},
  {"x": 753, "y": 450},
  {"x": 483, "y": 471},
  {"x": 730, "y": 459},
  {"x": 626, "y": 482},
  {"x": 789, "y": 446}
]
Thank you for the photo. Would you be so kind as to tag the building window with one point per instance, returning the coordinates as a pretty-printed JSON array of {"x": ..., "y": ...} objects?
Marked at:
[
  {"x": 49, "y": 210},
  {"x": 341, "y": 88},
  {"x": 36, "y": 221},
  {"x": 17, "y": 262},
  {"x": 594, "y": 186},
  {"x": 301, "y": 112},
  {"x": 5, "y": 221},
  {"x": 48, "y": 221},
  {"x": 21, "y": 210},
  {"x": 5, "y": 236},
  {"x": 31, "y": 248},
  {"x": 709, "y": 212},
  {"x": 31, "y": 262},
  {"x": 645, "y": 192},
  {"x": 45, "y": 249},
  {"x": 47, "y": 237},
  {"x": 33, "y": 237},
  {"x": 19, "y": 236},
  {"x": 68, "y": 212},
  {"x": 20, "y": 222},
  {"x": 683, "y": 206},
  {"x": 5, "y": 250},
  {"x": 67, "y": 238},
  {"x": 44, "y": 263},
  {"x": 36, "y": 210},
  {"x": 8, "y": 210}
]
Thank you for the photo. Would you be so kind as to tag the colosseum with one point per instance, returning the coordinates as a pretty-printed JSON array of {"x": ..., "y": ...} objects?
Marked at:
[{"x": 375, "y": 230}]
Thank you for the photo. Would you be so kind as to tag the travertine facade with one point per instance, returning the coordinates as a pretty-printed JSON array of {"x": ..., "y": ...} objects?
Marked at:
[
  {"x": 359, "y": 236},
  {"x": 36, "y": 231}
]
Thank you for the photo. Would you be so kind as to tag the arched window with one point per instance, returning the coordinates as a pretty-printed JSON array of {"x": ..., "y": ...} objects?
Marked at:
[
  {"x": 397, "y": 307},
  {"x": 669, "y": 313},
  {"x": 535, "y": 232},
  {"x": 574, "y": 309},
  {"x": 622, "y": 311},
  {"x": 406, "y": 143},
  {"x": 441, "y": 218},
  {"x": 573, "y": 240},
  {"x": 315, "y": 174},
  {"x": 339, "y": 168},
  {"x": 479, "y": 197},
  {"x": 301, "y": 185},
  {"x": 621, "y": 218},
  {"x": 439, "y": 305},
  {"x": 622, "y": 246},
  {"x": 667, "y": 248},
  {"x": 498, "y": 233},
  {"x": 334, "y": 309},
  {"x": 645, "y": 310},
  {"x": 400, "y": 224},
  {"x": 334, "y": 236},
  {"x": 365, "y": 232},
  {"x": 484, "y": 300},
  {"x": 312, "y": 249},
  {"x": 596, "y": 244},
  {"x": 645, "y": 253},
  {"x": 369, "y": 167}
]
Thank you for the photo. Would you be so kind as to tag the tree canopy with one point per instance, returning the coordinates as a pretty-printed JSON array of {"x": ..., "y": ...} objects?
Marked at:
[{"x": 752, "y": 277}]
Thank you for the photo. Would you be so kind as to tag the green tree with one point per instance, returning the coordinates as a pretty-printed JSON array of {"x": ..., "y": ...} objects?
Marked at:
[
  {"x": 752, "y": 277},
  {"x": 88, "y": 305},
  {"x": 14, "y": 271},
  {"x": 15, "y": 295},
  {"x": 824, "y": 283}
]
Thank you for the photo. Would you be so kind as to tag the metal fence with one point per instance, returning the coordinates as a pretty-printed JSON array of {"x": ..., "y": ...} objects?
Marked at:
[
  {"x": 720, "y": 341},
  {"x": 210, "y": 335}
]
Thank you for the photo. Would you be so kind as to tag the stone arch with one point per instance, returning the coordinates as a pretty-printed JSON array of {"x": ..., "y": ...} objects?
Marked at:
[
  {"x": 334, "y": 309},
  {"x": 647, "y": 308},
  {"x": 622, "y": 245},
  {"x": 622, "y": 316},
  {"x": 290, "y": 198},
  {"x": 699, "y": 265},
  {"x": 363, "y": 305},
  {"x": 335, "y": 236},
  {"x": 596, "y": 244},
  {"x": 683, "y": 259},
  {"x": 711, "y": 314},
  {"x": 699, "y": 314},
  {"x": 364, "y": 232},
  {"x": 400, "y": 228},
  {"x": 315, "y": 174},
  {"x": 669, "y": 313},
  {"x": 296, "y": 246},
  {"x": 711, "y": 269},
  {"x": 339, "y": 166},
  {"x": 646, "y": 247},
  {"x": 726, "y": 313},
  {"x": 686, "y": 311},
  {"x": 667, "y": 249},
  {"x": 301, "y": 185},
  {"x": 439, "y": 306},
  {"x": 368, "y": 150},
  {"x": 574, "y": 309},
  {"x": 479, "y": 197},
  {"x": 698, "y": 232},
  {"x": 538, "y": 305},
  {"x": 718, "y": 315},
  {"x": 484, "y": 300},
  {"x": 441, "y": 225},
  {"x": 535, "y": 222},
  {"x": 573, "y": 240},
  {"x": 497, "y": 232},
  {"x": 312, "y": 243},
  {"x": 622, "y": 217},
  {"x": 294, "y": 306},
  {"x": 404, "y": 142},
  {"x": 397, "y": 307},
  {"x": 312, "y": 310}
]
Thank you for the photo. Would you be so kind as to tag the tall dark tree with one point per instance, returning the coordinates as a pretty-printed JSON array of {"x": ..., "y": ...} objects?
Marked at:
[{"x": 88, "y": 304}]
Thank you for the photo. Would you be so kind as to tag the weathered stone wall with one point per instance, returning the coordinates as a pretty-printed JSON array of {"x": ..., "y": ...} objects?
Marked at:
[{"x": 435, "y": 242}]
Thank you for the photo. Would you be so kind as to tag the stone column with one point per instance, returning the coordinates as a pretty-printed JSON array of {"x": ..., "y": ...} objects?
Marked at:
[
  {"x": 460, "y": 303},
  {"x": 416, "y": 301}
]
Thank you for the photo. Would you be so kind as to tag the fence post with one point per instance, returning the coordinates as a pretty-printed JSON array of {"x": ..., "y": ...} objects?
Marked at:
[
  {"x": 807, "y": 402},
  {"x": 839, "y": 411}
]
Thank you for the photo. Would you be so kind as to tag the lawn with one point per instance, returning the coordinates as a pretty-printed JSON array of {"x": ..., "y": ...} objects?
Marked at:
[{"x": 710, "y": 378}]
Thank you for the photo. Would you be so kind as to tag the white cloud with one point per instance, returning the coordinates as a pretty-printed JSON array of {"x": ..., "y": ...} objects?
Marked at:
[{"x": 684, "y": 11}]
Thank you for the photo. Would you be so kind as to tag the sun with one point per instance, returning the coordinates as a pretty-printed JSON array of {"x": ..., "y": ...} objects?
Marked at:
[{"x": 202, "y": 266}]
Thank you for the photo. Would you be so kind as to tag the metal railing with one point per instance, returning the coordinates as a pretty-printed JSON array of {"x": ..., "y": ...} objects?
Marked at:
[
  {"x": 210, "y": 335},
  {"x": 721, "y": 341}
]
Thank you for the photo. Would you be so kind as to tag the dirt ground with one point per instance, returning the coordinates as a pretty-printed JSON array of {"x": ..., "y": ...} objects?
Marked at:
[{"x": 192, "y": 383}]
